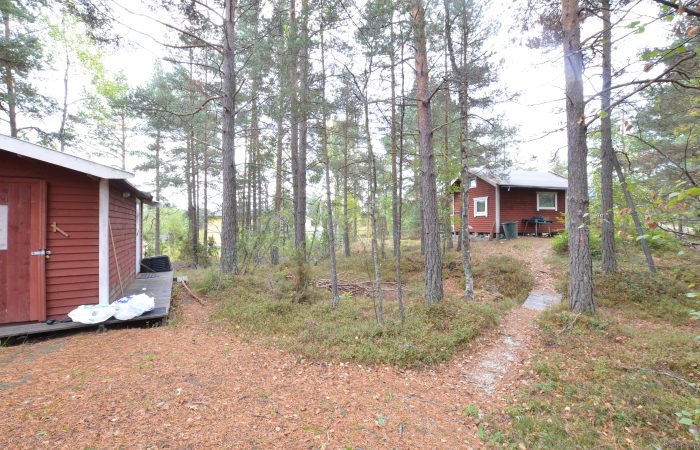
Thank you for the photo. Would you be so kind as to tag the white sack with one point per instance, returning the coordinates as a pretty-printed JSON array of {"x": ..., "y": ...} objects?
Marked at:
[
  {"x": 132, "y": 306},
  {"x": 92, "y": 313}
]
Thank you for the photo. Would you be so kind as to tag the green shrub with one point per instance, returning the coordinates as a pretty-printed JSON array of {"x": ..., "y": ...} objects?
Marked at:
[
  {"x": 560, "y": 243},
  {"x": 509, "y": 276},
  {"x": 660, "y": 295},
  {"x": 314, "y": 329}
]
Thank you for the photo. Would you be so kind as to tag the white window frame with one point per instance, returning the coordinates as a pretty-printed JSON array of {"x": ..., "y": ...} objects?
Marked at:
[
  {"x": 547, "y": 208},
  {"x": 4, "y": 226},
  {"x": 485, "y": 212},
  {"x": 472, "y": 183}
]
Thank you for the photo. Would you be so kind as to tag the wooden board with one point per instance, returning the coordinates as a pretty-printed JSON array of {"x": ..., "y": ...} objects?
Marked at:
[{"x": 22, "y": 282}]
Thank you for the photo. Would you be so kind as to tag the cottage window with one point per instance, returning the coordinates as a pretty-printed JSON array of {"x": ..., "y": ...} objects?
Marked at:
[
  {"x": 481, "y": 207},
  {"x": 3, "y": 227},
  {"x": 546, "y": 200},
  {"x": 472, "y": 183}
]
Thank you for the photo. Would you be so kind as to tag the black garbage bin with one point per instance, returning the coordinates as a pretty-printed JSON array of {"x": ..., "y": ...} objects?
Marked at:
[{"x": 510, "y": 229}]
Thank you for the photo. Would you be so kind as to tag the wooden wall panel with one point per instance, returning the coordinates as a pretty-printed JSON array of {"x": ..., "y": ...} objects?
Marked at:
[
  {"x": 521, "y": 203},
  {"x": 122, "y": 217},
  {"x": 478, "y": 224}
]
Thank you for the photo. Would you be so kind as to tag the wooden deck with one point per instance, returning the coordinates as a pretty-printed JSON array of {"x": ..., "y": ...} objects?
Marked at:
[{"x": 157, "y": 285}]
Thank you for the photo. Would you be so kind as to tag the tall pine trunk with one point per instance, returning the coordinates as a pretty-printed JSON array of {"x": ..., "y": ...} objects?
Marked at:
[
  {"x": 229, "y": 232},
  {"x": 327, "y": 161},
  {"x": 580, "y": 263},
  {"x": 346, "y": 221},
  {"x": 433, "y": 262},
  {"x": 10, "y": 83},
  {"x": 462, "y": 82},
  {"x": 158, "y": 188},
  {"x": 275, "y": 251},
  {"x": 607, "y": 229},
  {"x": 303, "y": 131}
]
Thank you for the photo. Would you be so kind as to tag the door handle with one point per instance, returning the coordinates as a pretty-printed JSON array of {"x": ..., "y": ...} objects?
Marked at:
[{"x": 45, "y": 253}]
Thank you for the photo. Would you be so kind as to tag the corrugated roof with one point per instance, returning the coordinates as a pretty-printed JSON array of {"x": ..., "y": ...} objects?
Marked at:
[{"x": 522, "y": 178}]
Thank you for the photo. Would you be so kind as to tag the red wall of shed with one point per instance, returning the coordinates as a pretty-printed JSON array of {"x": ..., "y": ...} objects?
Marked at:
[
  {"x": 478, "y": 224},
  {"x": 72, "y": 202},
  {"x": 521, "y": 203},
  {"x": 122, "y": 218}
]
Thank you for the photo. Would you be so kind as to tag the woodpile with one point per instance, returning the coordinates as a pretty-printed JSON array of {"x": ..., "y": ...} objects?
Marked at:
[{"x": 363, "y": 288}]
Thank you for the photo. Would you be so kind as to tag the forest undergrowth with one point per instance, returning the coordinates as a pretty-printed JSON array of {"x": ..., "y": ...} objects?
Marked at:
[
  {"x": 264, "y": 307},
  {"x": 626, "y": 377}
]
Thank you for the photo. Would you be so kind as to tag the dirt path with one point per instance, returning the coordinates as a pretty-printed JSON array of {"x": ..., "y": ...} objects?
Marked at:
[
  {"x": 198, "y": 385},
  {"x": 495, "y": 369}
]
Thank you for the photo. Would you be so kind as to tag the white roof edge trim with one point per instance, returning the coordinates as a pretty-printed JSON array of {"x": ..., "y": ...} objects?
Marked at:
[
  {"x": 29, "y": 150},
  {"x": 486, "y": 178}
]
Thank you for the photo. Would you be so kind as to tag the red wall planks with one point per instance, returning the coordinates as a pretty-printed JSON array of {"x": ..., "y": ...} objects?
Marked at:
[
  {"x": 521, "y": 203},
  {"x": 479, "y": 224},
  {"x": 122, "y": 217},
  {"x": 72, "y": 199}
]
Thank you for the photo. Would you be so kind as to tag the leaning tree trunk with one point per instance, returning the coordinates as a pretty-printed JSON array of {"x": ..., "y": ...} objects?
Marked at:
[
  {"x": 580, "y": 263},
  {"x": 433, "y": 262},
  {"x": 635, "y": 217},
  {"x": 229, "y": 232},
  {"x": 607, "y": 228}
]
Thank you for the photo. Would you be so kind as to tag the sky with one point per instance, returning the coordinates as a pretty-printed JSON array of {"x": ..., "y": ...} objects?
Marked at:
[{"x": 535, "y": 75}]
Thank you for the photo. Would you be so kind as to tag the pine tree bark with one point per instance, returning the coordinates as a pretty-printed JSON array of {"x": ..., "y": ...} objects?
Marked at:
[
  {"x": 433, "y": 262},
  {"x": 346, "y": 221},
  {"x": 399, "y": 183},
  {"x": 303, "y": 132},
  {"x": 10, "y": 84},
  {"x": 64, "y": 110},
  {"x": 607, "y": 230},
  {"x": 462, "y": 81},
  {"x": 327, "y": 160},
  {"x": 229, "y": 232},
  {"x": 275, "y": 250},
  {"x": 373, "y": 215},
  {"x": 580, "y": 263},
  {"x": 394, "y": 148},
  {"x": 158, "y": 188}
]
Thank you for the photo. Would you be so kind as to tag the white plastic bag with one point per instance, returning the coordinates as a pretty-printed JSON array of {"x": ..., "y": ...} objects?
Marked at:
[
  {"x": 92, "y": 313},
  {"x": 132, "y": 306}
]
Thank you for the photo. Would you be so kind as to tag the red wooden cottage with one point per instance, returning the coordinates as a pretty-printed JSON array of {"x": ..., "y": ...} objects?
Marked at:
[
  {"x": 512, "y": 196},
  {"x": 70, "y": 232}
]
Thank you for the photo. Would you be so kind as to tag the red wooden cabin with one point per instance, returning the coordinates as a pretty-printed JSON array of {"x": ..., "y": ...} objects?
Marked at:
[
  {"x": 70, "y": 232},
  {"x": 515, "y": 195}
]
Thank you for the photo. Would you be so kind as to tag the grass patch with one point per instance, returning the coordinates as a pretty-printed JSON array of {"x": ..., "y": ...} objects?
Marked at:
[
  {"x": 263, "y": 307},
  {"x": 660, "y": 296},
  {"x": 504, "y": 274},
  {"x": 350, "y": 333},
  {"x": 608, "y": 380}
]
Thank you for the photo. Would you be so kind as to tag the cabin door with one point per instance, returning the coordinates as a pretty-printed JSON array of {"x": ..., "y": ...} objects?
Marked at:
[{"x": 22, "y": 250}]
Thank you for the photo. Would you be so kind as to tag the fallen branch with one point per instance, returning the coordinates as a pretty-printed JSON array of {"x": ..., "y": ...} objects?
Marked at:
[
  {"x": 569, "y": 325},
  {"x": 192, "y": 294},
  {"x": 365, "y": 288},
  {"x": 687, "y": 383}
]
